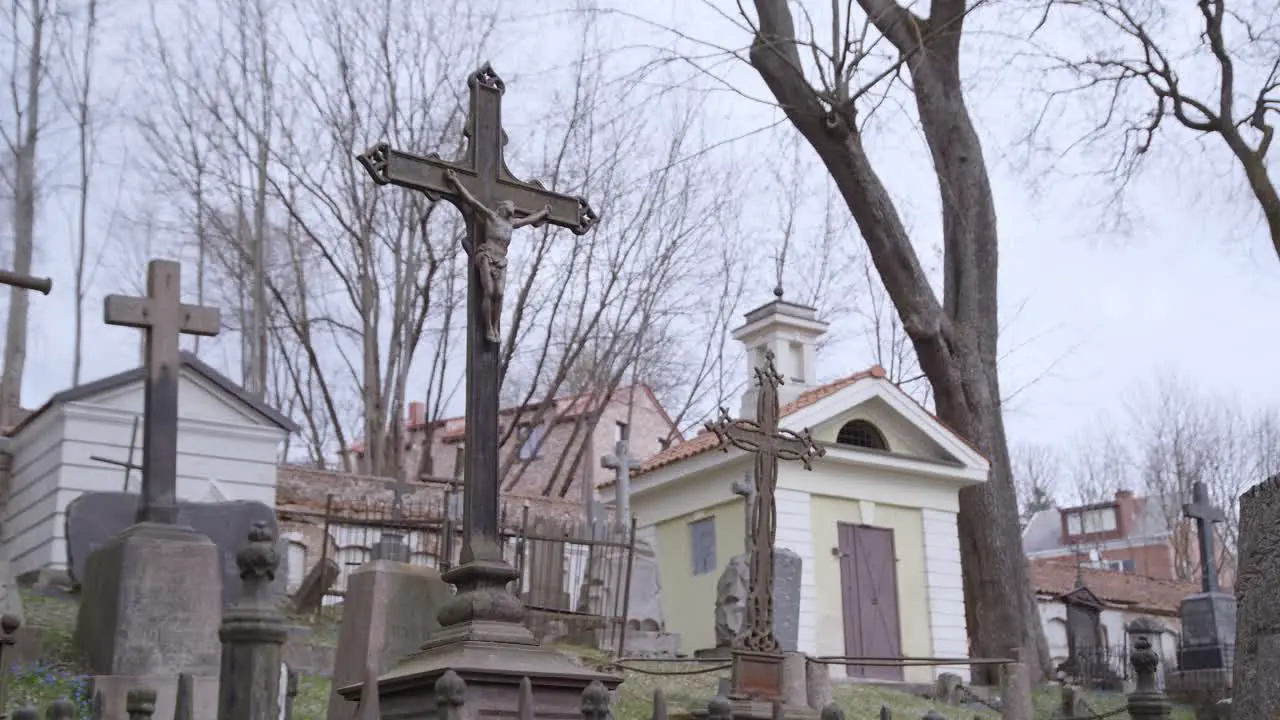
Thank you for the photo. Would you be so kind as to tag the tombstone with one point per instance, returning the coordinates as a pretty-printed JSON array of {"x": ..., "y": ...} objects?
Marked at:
[
  {"x": 731, "y": 598},
  {"x": 151, "y": 604},
  {"x": 1256, "y": 684},
  {"x": 1087, "y": 655},
  {"x": 389, "y": 612},
  {"x": 315, "y": 585},
  {"x": 546, "y": 574},
  {"x": 94, "y": 518},
  {"x": 1208, "y": 617}
]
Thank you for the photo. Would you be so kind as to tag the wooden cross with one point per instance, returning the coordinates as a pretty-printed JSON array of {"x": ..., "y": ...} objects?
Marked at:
[
  {"x": 769, "y": 444},
  {"x": 1206, "y": 515},
  {"x": 493, "y": 202},
  {"x": 621, "y": 463},
  {"x": 164, "y": 318}
]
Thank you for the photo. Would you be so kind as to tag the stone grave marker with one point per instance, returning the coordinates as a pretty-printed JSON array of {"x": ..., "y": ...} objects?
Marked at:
[
  {"x": 731, "y": 598},
  {"x": 1256, "y": 684},
  {"x": 94, "y": 518}
]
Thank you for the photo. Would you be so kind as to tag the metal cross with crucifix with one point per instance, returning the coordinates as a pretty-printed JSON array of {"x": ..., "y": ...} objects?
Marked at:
[
  {"x": 621, "y": 463},
  {"x": 769, "y": 443},
  {"x": 1201, "y": 510},
  {"x": 494, "y": 203},
  {"x": 164, "y": 318}
]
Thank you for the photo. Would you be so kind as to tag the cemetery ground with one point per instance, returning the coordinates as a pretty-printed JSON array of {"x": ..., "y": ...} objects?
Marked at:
[{"x": 57, "y": 675}]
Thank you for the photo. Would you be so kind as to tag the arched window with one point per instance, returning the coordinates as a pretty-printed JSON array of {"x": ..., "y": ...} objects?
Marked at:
[{"x": 860, "y": 433}]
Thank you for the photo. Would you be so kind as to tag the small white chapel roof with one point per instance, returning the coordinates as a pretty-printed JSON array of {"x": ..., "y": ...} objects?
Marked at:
[{"x": 189, "y": 361}]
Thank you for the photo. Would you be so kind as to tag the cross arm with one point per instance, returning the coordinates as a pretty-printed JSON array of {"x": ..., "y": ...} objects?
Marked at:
[
  {"x": 136, "y": 312},
  {"x": 610, "y": 462},
  {"x": 426, "y": 173}
]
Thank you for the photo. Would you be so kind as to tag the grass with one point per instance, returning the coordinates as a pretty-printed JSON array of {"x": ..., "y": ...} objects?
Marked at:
[{"x": 59, "y": 675}]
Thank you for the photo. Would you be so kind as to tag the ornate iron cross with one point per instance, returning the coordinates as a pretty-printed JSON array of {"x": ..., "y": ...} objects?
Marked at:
[
  {"x": 164, "y": 318},
  {"x": 493, "y": 202},
  {"x": 769, "y": 444},
  {"x": 1206, "y": 515}
]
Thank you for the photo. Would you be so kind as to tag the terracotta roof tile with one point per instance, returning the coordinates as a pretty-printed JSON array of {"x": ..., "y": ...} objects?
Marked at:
[
  {"x": 1147, "y": 594},
  {"x": 706, "y": 441}
]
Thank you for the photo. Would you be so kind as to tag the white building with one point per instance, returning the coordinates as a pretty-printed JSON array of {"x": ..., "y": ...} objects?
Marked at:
[{"x": 228, "y": 446}]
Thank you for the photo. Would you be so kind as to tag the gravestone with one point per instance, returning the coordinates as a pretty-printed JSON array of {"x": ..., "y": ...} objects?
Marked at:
[
  {"x": 1256, "y": 684},
  {"x": 731, "y": 600},
  {"x": 1208, "y": 617},
  {"x": 389, "y": 612},
  {"x": 94, "y": 518},
  {"x": 150, "y": 604},
  {"x": 546, "y": 568},
  {"x": 315, "y": 585}
]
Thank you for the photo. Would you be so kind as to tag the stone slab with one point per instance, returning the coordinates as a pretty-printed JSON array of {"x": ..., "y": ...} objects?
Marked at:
[
  {"x": 1255, "y": 682},
  {"x": 794, "y": 683},
  {"x": 112, "y": 690},
  {"x": 150, "y": 604},
  {"x": 731, "y": 597},
  {"x": 389, "y": 612},
  {"x": 1208, "y": 631},
  {"x": 92, "y": 519}
]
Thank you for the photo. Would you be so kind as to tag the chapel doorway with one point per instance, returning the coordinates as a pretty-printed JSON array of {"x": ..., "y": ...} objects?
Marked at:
[{"x": 869, "y": 594}]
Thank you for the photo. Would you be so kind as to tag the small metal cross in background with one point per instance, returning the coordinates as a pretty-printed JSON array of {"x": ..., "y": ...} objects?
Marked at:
[{"x": 163, "y": 317}]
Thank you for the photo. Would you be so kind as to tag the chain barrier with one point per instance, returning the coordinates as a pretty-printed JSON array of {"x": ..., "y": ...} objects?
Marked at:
[{"x": 622, "y": 665}]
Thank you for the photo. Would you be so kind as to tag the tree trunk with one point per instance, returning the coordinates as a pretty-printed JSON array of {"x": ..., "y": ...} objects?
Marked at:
[
  {"x": 24, "y": 224},
  {"x": 955, "y": 340}
]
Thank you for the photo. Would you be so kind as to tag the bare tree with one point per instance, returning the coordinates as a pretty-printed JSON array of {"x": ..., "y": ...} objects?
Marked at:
[
  {"x": 1149, "y": 76},
  {"x": 29, "y": 33},
  {"x": 1036, "y": 473},
  {"x": 77, "y": 99},
  {"x": 954, "y": 336}
]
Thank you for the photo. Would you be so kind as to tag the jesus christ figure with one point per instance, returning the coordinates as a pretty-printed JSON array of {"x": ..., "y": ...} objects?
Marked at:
[{"x": 491, "y": 256}]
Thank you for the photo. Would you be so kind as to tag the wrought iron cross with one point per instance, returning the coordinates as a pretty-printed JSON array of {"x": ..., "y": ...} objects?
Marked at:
[
  {"x": 621, "y": 463},
  {"x": 483, "y": 188},
  {"x": 164, "y": 318},
  {"x": 769, "y": 444},
  {"x": 1206, "y": 515}
]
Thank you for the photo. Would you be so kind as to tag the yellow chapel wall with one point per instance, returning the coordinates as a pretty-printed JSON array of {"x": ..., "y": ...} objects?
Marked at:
[{"x": 908, "y": 542}]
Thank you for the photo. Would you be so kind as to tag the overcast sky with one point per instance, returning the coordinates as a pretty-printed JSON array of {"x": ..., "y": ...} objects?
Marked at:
[{"x": 1189, "y": 288}]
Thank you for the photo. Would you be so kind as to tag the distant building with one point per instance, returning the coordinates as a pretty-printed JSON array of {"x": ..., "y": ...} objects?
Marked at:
[{"x": 1145, "y": 536}]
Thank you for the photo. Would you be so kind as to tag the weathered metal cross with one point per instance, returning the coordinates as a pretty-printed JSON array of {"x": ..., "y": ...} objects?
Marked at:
[
  {"x": 128, "y": 464},
  {"x": 621, "y": 463},
  {"x": 1206, "y": 515},
  {"x": 494, "y": 202},
  {"x": 769, "y": 444},
  {"x": 164, "y": 318}
]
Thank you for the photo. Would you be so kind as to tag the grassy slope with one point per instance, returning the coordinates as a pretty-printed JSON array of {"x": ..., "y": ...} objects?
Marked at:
[{"x": 59, "y": 676}]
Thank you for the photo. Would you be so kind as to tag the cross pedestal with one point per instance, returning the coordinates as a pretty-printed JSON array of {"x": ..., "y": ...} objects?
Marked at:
[{"x": 482, "y": 636}]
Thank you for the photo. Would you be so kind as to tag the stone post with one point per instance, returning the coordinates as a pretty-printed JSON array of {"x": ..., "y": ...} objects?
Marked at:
[
  {"x": 1146, "y": 702},
  {"x": 140, "y": 703},
  {"x": 253, "y": 633}
]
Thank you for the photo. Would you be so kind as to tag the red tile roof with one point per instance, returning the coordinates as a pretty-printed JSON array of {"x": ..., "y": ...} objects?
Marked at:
[
  {"x": 1137, "y": 592},
  {"x": 706, "y": 441}
]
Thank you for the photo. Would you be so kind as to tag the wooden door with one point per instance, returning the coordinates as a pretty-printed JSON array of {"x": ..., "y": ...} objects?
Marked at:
[{"x": 869, "y": 592}]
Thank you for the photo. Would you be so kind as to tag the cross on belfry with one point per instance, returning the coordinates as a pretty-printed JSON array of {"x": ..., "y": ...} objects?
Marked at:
[
  {"x": 621, "y": 463},
  {"x": 494, "y": 203},
  {"x": 763, "y": 438},
  {"x": 1201, "y": 510},
  {"x": 163, "y": 317}
]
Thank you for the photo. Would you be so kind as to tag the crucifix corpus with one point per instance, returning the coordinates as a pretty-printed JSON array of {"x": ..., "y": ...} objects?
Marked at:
[
  {"x": 1201, "y": 510},
  {"x": 757, "y": 658},
  {"x": 163, "y": 317},
  {"x": 494, "y": 203}
]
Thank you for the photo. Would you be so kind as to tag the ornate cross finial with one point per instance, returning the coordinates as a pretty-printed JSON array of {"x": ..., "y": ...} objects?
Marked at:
[
  {"x": 140, "y": 703},
  {"x": 258, "y": 560},
  {"x": 451, "y": 692},
  {"x": 1146, "y": 702},
  {"x": 595, "y": 702}
]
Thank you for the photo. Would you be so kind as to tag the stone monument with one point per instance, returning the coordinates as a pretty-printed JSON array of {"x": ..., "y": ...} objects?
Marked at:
[
  {"x": 1256, "y": 685},
  {"x": 481, "y": 637},
  {"x": 1209, "y": 616},
  {"x": 388, "y": 612},
  {"x": 759, "y": 677},
  {"x": 150, "y": 606}
]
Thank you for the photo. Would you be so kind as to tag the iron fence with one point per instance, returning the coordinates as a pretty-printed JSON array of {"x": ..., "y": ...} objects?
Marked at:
[{"x": 574, "y": 575}]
